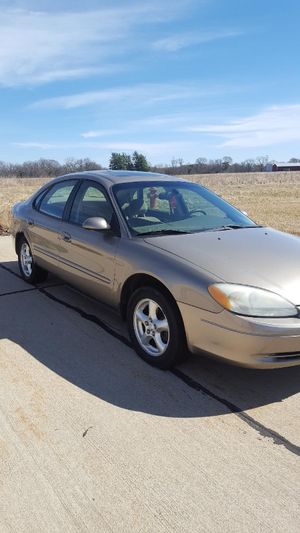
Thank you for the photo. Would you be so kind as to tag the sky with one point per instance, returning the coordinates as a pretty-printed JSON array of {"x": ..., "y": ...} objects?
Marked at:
[{"x": 169, "y": 78}]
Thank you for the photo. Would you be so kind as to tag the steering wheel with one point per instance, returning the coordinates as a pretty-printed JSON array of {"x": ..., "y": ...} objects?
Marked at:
[{"x": 198, "y": 211}]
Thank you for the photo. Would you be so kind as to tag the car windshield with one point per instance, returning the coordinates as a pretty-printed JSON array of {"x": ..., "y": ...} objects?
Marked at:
[{"x": 174, "y": 207}]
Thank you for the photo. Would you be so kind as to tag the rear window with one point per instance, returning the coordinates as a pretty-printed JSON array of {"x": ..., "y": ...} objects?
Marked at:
[
  {"x": 54, "y": 202},
  {"x": 37, "y": 199}
]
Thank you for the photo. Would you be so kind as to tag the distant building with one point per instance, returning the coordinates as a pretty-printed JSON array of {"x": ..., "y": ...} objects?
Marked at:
[{"x": 275, "y": 167}]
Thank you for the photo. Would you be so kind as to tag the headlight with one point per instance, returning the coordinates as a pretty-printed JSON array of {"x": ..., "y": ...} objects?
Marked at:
[{"x": 250, "y": 301}]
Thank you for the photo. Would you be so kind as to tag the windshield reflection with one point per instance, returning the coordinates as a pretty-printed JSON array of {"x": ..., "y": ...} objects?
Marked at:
[{"x": 175, "y": 207}]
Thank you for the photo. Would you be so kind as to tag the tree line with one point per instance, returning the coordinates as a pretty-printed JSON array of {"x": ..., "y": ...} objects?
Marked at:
[
  {"x": 46, "y": 168},
  {"x": 136, "y": 161},
  {"x": 202, "y": 165},
  {"x": 51, "y": 168}
]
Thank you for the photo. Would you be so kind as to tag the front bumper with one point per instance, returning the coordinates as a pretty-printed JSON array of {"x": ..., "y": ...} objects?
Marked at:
[{"x": 251, "y": 342}]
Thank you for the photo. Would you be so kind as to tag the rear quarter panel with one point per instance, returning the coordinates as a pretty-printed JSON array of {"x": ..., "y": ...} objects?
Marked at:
[{"x": 20, "y": 214}]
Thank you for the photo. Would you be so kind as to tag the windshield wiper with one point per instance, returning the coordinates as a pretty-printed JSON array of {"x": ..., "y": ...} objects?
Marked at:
[
  {"x": 181, "y": 232},
  {"x": 163, "y": 232},
  {"x": 235, "y": 226}
]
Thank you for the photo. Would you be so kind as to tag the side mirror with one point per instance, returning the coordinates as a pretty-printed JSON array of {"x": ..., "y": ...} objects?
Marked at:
[{"x": 96, "y": 224}]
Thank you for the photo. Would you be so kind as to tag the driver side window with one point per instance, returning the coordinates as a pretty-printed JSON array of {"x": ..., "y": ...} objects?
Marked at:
[{"x": 90, "y": 201}]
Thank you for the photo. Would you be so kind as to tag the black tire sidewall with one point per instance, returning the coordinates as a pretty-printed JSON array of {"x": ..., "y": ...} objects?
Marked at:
[{"x": 176, "y": 349}]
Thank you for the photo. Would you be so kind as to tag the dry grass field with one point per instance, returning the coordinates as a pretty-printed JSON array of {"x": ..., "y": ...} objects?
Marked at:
[
  {"x": 272, "y": 199},
  {"x": 14, "y": 190}
]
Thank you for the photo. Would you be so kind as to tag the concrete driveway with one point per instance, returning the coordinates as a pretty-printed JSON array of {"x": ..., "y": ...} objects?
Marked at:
[{"x": 93, "y": 439}]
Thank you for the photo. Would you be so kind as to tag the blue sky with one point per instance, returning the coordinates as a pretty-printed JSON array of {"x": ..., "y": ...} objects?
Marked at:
[{"x": 173, "y": 79}]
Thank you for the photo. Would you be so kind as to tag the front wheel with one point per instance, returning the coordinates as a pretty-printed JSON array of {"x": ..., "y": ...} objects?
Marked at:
[
  {"x": 29, "y": 270},
  {"x": 155, "y": 328}
]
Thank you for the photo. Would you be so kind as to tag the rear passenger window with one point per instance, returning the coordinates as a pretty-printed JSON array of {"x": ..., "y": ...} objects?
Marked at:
[
  {"x": 38, "y": 198},
  {"x": 56, "y": 198},
  {"x": 90, "y": 201}
]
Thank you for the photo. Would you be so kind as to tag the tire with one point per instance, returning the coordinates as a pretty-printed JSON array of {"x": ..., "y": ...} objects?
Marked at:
[
  {"x": 30, "y": 271},
  {"x": 155, "y": 328}
]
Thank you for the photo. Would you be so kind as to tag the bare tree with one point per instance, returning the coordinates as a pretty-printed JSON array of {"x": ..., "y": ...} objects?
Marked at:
[{"x": 262, "y": 160}]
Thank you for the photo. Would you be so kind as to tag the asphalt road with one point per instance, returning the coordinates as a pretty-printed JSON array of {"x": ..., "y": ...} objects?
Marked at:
[{"x": 93, "y": 439}]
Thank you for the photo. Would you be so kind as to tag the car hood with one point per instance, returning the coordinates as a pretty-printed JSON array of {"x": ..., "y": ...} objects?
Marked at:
[{"x": 261, "y": 257}]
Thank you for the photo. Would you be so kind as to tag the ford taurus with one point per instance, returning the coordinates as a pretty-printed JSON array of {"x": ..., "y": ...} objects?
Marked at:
[{"x": 186, "y": 270}]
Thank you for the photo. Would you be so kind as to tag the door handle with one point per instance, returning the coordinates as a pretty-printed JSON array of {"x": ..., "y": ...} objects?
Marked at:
[{"x": 66, "y": 236}]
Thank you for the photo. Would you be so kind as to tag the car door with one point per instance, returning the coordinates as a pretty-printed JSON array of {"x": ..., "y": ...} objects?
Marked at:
[
  {"x": 88, "y": 257},
  {"x": 44, "y": 228}
]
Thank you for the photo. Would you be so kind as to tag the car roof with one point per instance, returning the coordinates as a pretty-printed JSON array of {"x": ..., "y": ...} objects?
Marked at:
[{"x": 121, "y": 176}]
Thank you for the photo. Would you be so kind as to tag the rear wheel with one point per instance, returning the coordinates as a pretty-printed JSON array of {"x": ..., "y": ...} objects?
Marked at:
[
  {"x": 29, "y": 270},
  {"x": 155, "y": 328}
]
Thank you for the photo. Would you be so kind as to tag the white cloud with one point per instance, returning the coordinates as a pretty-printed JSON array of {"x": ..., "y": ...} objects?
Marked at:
[
  {"x": 273, "y": 125},
  {"x": 93, "y": 134},
  {"x": 176, "y": 42},
  {"x": 40, "y": 46},
  {"x": 139, "y": 94},
  {"x": 69, "y": 73},
  {"x": 33, "y": 144},
  {"x": 179, "y": 120},
  {"x": 123, "y": 145},
  {"x": 149, "y": 148}
]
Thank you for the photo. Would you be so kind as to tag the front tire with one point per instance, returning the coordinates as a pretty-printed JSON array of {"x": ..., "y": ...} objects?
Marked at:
[
  {"x": 30, "y": 271},
  {"x": 155, "y": 328}
]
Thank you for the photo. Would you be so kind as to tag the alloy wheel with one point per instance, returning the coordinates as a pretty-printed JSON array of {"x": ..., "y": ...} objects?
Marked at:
[
  {"x": 151, "y": 327},
  {"x": 26, "y": 259}
]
